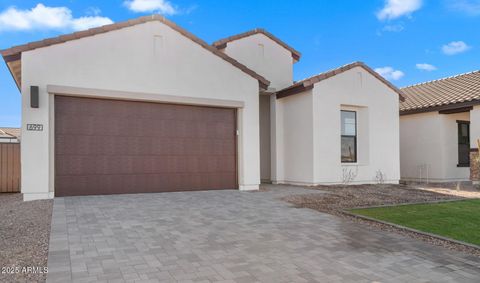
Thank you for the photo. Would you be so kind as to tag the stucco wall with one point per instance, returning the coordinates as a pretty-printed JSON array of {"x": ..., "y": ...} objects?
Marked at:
[
  {"x": 265, "y": 157},
  {"x": 377, "y": 127},
  {"x": 295, "y": 159},
  {"x": 264, "y": 56},
  {"x": 148, "y": 58},
  {"x": 429, "y": 147},
  {"x": 312, "y": 130}
]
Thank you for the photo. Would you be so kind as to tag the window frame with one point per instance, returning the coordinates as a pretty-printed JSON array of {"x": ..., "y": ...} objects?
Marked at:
[
  {"x": 459, "y": 125},
  {"x": 355, "y": 160}
]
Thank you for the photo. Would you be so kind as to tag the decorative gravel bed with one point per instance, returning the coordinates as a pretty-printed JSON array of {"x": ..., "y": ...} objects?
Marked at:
[
  {"x": 340, "y": 198},
  {"x": 24, "y": 236}
]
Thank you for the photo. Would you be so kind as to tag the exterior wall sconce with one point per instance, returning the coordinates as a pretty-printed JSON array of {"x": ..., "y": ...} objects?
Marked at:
[{"x": 34, "y": 99}]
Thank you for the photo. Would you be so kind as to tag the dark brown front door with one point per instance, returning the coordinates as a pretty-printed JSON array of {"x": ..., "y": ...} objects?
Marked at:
[{"x": 114, "y": 147}]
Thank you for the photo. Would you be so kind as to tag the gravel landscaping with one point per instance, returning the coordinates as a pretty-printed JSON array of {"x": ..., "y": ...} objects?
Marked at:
[
  {"x": 24, "y": 236},
  {"x": 339, "y": 198}
]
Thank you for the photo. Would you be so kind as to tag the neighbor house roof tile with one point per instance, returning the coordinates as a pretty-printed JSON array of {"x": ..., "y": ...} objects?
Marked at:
[
  {"x": 429, "y": 96},
  {"x": 13, "y": 132}
]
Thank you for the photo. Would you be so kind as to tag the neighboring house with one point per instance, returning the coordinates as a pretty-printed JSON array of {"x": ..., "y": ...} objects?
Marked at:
[
  {"x": 9, "y": 160},
  {"x": 9, "y": 135},
  {"x": 439, "y": 126},
  {"x": 146, "y": 106}
]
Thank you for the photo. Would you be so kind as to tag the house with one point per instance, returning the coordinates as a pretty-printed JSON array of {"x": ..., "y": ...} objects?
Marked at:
[
  {"x": 9, "y": 135},
  {"x": 146, "y": 106},
  {"x": 439, "y": 128}
]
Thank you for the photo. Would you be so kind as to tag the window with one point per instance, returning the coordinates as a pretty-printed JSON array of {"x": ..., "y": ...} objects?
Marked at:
[
  {"x": 463, "y": 143},
  {"x": 349, "y": 136}
]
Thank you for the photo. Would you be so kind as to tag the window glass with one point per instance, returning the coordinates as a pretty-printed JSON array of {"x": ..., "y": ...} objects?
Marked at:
[
  {"x": 349, "y": 136},
  {"x": 463, "y": 144},
  {"x": 464, "y": 131},
  {"x": 348, "y": 149},
  {"x": 349, "y": 123}
]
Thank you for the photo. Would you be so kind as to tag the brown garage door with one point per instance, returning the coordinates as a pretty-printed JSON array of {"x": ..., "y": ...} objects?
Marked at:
[{"x": 114, "y": 147}]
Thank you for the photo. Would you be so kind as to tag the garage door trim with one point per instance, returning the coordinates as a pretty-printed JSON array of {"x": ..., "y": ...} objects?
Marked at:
[{"x": 142, "y": 97}]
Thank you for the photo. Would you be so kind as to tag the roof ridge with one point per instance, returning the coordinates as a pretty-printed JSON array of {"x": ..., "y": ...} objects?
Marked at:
[
  {"x": 441, "y": 79},
  {"x": 308, "y": 83},
  {"x": 329, "y": 70}
]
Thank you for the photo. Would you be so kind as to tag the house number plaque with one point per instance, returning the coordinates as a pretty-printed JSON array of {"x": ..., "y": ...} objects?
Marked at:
[{"x": 35, "y": 127}]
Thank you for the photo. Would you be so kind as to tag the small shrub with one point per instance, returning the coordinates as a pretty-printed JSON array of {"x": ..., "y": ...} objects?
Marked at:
[
  {"x": 348, "y": 175},
  {"x": 380, "y": 177}
]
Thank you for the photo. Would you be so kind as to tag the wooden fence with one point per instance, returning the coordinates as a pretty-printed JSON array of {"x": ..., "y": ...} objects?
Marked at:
[{"x": 9, "y": 167}]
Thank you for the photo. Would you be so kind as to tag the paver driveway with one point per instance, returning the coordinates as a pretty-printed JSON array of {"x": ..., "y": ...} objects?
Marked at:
[{"x": 233, "y": 236}]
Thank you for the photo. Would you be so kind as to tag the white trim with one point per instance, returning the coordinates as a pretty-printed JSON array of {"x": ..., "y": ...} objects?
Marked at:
[
  {"x": 37, "y": 196},
  {"x": 147, "y": 97},
  {"x": 141, "y": 96},
  {"x": 248, "y": 187},
  {"x": 51, "y": 144}
]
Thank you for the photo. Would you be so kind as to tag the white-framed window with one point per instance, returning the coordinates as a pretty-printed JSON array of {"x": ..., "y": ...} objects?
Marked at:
[{"x": 349, "y": 136}]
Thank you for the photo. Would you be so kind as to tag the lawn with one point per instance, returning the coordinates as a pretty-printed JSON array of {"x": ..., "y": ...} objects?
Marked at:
[{"x": 458, "y": 220}]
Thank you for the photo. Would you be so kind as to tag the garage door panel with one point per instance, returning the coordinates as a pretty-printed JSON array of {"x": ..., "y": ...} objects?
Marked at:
[
  {"x": 108, "y": 147},
  {"x": 135, "y": 164},
  {"x": 117, "y": 184}
]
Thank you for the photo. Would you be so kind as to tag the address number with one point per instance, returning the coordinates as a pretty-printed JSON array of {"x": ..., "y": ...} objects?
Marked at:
[{"x": 34, "y": 127}]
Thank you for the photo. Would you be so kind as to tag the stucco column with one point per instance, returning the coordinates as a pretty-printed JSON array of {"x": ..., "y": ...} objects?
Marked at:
[
  {"x": 35, "y": 146},
  {"x": 276, "y": 132}
]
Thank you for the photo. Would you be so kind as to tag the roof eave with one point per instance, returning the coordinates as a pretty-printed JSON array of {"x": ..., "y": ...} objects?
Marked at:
[
  {"x": 9, "y": 59},
  {"x": 443, "y": 107}
]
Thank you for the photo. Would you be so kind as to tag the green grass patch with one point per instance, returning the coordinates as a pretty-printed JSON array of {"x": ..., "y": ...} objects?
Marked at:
[{"x": 459, "y": 220}]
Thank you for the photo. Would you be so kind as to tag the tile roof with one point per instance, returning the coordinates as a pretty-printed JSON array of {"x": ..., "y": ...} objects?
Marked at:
[
  {"x": 13, "y": 132},
  {"x": 13, "y": 54},
  {"x": 222, "y": 43},
  {"x": 308, "y": 83},
  {"x": 429, "y": 96}
]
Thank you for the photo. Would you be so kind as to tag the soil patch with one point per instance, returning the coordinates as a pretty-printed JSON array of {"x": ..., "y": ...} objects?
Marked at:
[{"x": 24, "y": 237}]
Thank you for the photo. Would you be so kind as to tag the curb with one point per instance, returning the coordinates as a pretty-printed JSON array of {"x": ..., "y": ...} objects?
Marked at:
[
  {"x": 410, "y": 229},
  {"x": 412, "y": 203}
]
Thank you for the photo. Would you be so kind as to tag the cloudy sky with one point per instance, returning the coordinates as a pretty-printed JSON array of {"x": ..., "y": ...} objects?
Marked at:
[{"x": 407, "y": 41}]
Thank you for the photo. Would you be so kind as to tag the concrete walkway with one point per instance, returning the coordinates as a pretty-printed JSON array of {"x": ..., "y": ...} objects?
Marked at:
[{"x": 232, "y": 236}]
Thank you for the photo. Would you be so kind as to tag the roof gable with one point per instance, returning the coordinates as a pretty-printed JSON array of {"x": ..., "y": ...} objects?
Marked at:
[
  {"x": 222, "y": 43},
  {"x": 308, "y": 83},
  {"x": 438, "y": 94},
  {"x": 12, "y": 56}
]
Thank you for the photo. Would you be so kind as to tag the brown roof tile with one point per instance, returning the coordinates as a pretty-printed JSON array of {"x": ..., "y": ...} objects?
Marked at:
[
  {"x": 309, "y": 82},
  {"x": 14, "y": 132},
  {"x": 430, "y": 95},
  {"x": 222, "y": 43},
  {"x": 17, "y": 50}
]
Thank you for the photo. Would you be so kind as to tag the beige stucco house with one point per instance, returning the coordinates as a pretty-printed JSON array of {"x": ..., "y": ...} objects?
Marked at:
[
  {"x": 146, "y": 106},
  {"x": 439, "y": 128}
]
